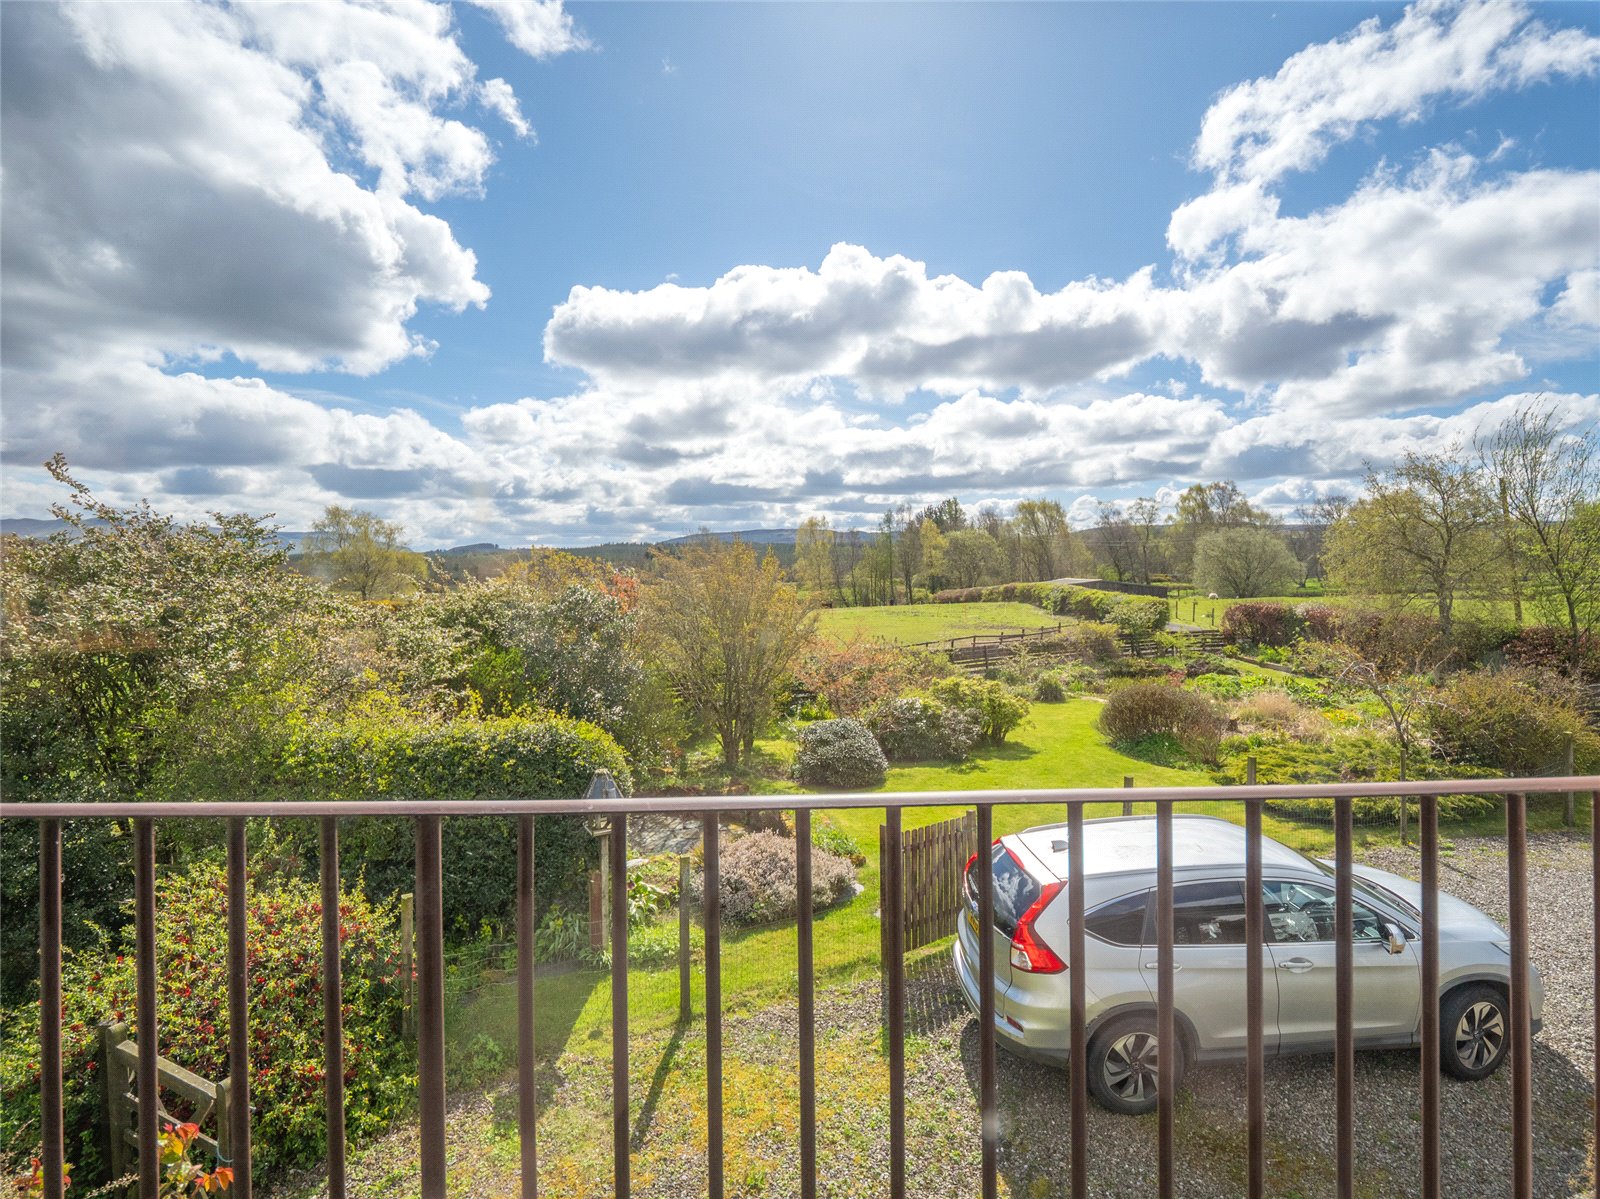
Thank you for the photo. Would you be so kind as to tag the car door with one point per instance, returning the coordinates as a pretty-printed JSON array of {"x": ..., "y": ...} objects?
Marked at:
[
  {"x": 1299, "y": 927},
  {"x": 1208, "y": 956}
]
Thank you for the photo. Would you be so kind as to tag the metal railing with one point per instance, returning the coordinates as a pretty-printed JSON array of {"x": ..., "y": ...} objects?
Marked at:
[{"x": 430, "y": 966}]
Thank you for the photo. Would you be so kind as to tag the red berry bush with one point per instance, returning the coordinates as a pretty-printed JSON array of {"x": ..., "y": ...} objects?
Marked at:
[{"x": 285, "y": 956}]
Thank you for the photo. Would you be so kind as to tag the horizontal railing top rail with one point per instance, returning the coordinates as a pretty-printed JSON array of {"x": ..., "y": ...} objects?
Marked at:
[{"x": 632, "y": 805}]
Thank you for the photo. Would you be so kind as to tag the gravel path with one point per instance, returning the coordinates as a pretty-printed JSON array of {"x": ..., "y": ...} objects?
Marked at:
[{"x": 941, "y": 1101}]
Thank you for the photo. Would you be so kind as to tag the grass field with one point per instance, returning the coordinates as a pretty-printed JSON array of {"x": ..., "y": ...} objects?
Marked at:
[
  {"x": 1207, "y": 614},
  {"x": 910, "y": 623}
]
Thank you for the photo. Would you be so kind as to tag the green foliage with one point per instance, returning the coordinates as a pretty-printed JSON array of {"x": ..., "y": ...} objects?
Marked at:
[
  {"x": 915, "y": 728},
  {"x": 727, "y": 629},
  {"x": 384, "y": 752},
  {"x": 284, "y": 944},
  {"x": 96, "y": 866},
  {"x": 1137, "y": 617},
  {"x": 839, "y": 753},
  {"x": 1049, "y": 690},
  {"x": 826, "y": 835},
  {"x": 1512, "y": 721},
  {"x": 1144, "y": 710},
  {"x": 1195, "y": 665},
  {"x": 999, "y": 710},
  {"x": 1243, "y": 562},
  {"x": 360, "y": 553}
]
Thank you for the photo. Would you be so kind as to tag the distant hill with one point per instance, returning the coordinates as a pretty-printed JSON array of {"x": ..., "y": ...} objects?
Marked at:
[{"x": 753, "y": 536}]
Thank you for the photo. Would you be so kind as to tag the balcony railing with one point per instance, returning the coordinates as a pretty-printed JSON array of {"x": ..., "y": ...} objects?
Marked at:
[{"x": 430, "y": 968}]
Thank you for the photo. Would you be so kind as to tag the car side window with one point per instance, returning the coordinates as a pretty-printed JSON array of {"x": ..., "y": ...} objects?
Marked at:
[
  {"x": 1298, "y": 911},
  {"x": 1121, "y": 921},
  {"x": 1208, "y": 914}
]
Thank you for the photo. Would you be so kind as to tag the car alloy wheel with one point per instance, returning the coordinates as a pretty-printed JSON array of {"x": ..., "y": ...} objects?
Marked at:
[
  {"x": 1131, "y": 1067},
  {"x": 1479, "y": 1035}
]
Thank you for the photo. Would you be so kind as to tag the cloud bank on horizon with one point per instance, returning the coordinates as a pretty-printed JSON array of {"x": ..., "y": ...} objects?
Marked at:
[{"x": 188, "y": 186}]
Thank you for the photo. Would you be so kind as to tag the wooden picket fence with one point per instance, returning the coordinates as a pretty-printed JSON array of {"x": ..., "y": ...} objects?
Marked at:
[{"x": 933, "y": 859}]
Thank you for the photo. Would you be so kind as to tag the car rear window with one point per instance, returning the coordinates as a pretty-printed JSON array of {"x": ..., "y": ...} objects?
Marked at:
[
  {"x": 1014, "y": 890},
  {"x": 1121, "y": 921}
]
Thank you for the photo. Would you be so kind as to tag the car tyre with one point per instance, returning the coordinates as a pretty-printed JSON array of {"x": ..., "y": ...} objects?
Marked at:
[
  {"x": 1122, "y": 1065},
  {"x": 1474, "y": 1031}
]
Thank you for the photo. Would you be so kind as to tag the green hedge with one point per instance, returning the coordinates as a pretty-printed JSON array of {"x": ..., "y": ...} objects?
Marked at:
[{"x": 391, "y": 755}]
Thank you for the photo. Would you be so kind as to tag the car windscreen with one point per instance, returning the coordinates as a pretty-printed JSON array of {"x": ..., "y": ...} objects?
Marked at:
[{"x": 1369, "y": 888}]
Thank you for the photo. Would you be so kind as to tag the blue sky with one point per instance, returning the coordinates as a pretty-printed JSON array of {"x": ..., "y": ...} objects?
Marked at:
[{"x": 735, "y": 273}]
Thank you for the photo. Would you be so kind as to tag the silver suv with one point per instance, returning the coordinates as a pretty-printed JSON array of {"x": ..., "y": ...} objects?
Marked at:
[{"x": 1030, "y": 931}]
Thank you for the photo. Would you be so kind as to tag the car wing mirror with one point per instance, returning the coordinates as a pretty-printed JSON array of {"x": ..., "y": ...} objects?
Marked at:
[{"x": 1394, "y": 938}]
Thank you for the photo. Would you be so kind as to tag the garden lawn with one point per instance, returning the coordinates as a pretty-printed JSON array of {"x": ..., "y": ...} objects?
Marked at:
[{"x": 911, "y": 623}]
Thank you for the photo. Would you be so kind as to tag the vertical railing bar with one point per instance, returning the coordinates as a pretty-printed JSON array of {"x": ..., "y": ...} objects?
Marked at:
[
  {"x": 617, "y": 845},
  {"x": 332, "y": 1008},
  {"x": 527, "y": 1092},
  {"x": 1344, "y": 1058},
  {"x": 711, "y": 848},
  {"x": 1521, "y": 1013},
  {"x": 53, "y": 1144},
  {"x": 894, "y": 911},
  {"x": 1077, "y": 1026},
  {"x": 1428, "y": 818},
  {"x": 238, "y": 1009},
  {"x": 144, "y": 948},
  {"x": 988, "y": 1085},
  {"x": 1594, "y": 954},
  {"x": 807, "y": 1013},
  {"x": 1167, "y": 1047},
  {"x": 430, "y": 1004},
  {"x": 1254, "y": 1001}
]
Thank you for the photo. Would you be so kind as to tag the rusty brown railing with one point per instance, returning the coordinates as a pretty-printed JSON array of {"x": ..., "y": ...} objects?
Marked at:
[{"x": 430, "y": 966}]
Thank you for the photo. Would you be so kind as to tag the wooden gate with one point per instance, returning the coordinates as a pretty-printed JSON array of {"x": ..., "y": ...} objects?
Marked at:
[{"x": 933, "y": 858}]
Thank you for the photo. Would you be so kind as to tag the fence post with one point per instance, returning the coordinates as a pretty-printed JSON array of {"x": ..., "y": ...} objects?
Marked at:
[
  {"x": 1403, "y": 839},
  {"x": 224, "y": 1112},
  {"x": 685, "y": 999},
  {"x": 1127, "y": 804},
  {"x": 116, "y": 1106},
  {"x": 1571, "y": 769},
  {"x": 408, "y": 988}
]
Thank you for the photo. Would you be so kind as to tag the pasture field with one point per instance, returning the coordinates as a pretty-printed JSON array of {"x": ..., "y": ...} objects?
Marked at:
[
  {"x": 1207, "y": 613},
  {"x": 911, "y": 623}
]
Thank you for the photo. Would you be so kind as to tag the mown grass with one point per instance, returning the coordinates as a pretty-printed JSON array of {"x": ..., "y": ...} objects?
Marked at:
[
  {"x": 1207, "y": 613},
  {"x": 911, "y": 623}
]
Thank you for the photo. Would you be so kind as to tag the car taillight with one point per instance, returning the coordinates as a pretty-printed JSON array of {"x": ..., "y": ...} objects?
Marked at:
[{"x": 1028, "y": 952}]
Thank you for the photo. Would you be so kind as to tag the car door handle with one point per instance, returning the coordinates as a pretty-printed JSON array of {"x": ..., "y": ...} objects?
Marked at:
[
  {"x": 1296, "y": 965},
  {"x": 1157, "y": 965}
]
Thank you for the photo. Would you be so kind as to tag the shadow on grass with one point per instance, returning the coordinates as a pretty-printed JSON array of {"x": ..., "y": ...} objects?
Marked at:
[{"x": 658, "y": 1080}]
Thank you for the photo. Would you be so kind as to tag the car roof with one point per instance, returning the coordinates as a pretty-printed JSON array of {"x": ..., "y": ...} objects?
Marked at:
[{"x": 1127, "y": 844}]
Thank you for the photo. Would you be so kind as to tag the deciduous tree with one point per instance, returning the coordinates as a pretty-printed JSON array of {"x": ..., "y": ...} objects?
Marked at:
[
  {"x": 1550, "y": 485},
  {"x": 1422, "y": 532},
  {"x": 359, "y": 552},
  {"x": 1244, "y": 562},
  {"x": 727, "y": 629}
]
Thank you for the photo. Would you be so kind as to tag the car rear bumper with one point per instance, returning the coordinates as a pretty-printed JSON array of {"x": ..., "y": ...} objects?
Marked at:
[{"x": 1013, "y": 1037}]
